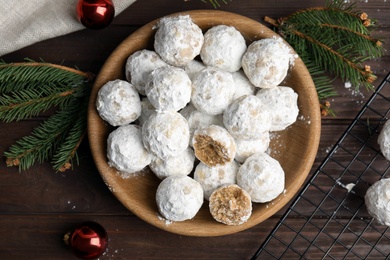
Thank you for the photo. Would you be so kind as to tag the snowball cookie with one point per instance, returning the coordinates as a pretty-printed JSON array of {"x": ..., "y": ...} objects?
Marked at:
[
  {"x": 242, "y": 85},
  {"x": 377, "y": 201},
  {"x": 223, "y": 48},
  {"x": 125, "y": 150},
  {"x": 246, "y": 148},
  {"x": 118, "y": 103},
  {"x": 146, "y": 110},
  {"x": 266, "y": 62},
  {"x": 213, "y": 177},
  {"x": 262, "y": 177},
  {"x": 168, "y": 88},
  {"x": 193, "y": 68},
  {"x": 214, "y": 145},
  {"x": 230, "y": 205},
  {"x": 166, "y": 134},
  {"x": 247, "y": 118},
  {"x": 384, "y": 140},
  {"x": 197, "y": 119},
  {"x": 282, "y": 103},
  {"x": 178, "y": 40},
  {"x": 139, "y": 65},
  {"x": 181, "y": 164},
  {"x": 179, "y": 198},
  {"x": 212, "y": 90}
]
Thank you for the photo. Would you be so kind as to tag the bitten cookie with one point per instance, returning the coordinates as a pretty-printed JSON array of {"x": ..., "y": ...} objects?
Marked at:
[
  {"x": 214, "y": 145},
  {"x": 212, "y": 90},
  {"x": 178, "y": 40},
  {"x": 125, "y": 150},
  {"x": 247, "y": 118},
  {"x": 281, "y": 102},
  {"x": 266, "y": 62},
  {"x": 166, "y": 134},
  {"x": 384, "y": 140},
  {"x": 223, "y": 48},
  {"x": 230, "y": 205},
  {"x": 262, "y": 177},
  {"x": 118, "y": 103},
  {"x": 377, "y": 201},
  {"x": 179, "y": 198},
  {"x": 168, "y": 88},
  {"x": 139, "y": 65},
  {"x": 213, "y": 177}
]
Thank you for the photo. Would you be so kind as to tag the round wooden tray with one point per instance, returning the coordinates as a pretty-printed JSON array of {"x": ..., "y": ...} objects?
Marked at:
[{"x": 295, "y": 148}]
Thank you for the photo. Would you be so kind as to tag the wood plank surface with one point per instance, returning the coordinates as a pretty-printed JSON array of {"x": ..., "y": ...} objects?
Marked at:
[{"x": 38, "y": 206}]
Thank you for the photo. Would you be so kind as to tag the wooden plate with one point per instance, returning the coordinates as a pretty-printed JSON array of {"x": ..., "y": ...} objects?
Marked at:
[{"x": 295, "y": 148}]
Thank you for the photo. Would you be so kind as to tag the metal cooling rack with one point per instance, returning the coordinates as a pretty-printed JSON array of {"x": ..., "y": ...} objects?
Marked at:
[{"x": 328, "y": 219}]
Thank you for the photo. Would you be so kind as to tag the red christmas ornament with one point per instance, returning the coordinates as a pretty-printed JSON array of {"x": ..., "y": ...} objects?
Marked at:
[
  {"x": 95, "y": 14},
  {"x": 88, "y": 240}
]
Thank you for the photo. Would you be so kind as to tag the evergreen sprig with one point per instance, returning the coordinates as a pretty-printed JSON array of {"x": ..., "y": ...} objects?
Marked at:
[
  {"x": 335, "y": 39},
  {"x": 29, "y": 88},
  {"x": 215, "y": 3}
]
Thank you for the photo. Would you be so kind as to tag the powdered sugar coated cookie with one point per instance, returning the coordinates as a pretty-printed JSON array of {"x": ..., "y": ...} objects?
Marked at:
[
  {"x": 181, "y": 164},
  {"x": 125, "y": 150},
  {"x": 384, "y": 140},
  {"x": 193, "y": 68},
  {"x": 178, "y": 40},
  {"x": 118, "y": 103},
  {"x": 243, "y": 86},
  {"x": 147, "y": 109},
  {"x": 223, "y": 48},
  {"x": 377, "y": 201},
  {"x": 266, "y": 62},
  {"x": 247, "y": 118},
  {"x": 246, "y": 148},
  {"x": 139, "y": 65},
  {"x": 262, "y": 177},
  {"x": 213, "y": 90},
  {"x": 197, "y": 119},
  {"x": 179, "y": 198},
  {"x": 166, "y": 134},
  {"x": 282, "y": 104},
  {"x": 212, "y": 178},
  {"x": 168, "y": 88}
]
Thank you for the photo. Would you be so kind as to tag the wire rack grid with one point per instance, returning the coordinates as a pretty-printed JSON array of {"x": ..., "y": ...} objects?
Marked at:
[{"x": 328, "y": 219}]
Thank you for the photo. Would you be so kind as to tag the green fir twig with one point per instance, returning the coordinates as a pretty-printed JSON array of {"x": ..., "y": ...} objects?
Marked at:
[
  {"x": 29, "y": 88},
  {"x": 332, "y": 40},
  {"x": 215, "y": 3}
]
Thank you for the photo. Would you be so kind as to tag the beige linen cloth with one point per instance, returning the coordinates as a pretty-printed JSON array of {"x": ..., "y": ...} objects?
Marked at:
[{"x": 24, "y": 22}]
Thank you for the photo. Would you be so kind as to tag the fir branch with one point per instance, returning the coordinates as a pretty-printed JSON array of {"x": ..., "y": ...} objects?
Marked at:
[
  {"x": 336, "y": 39},
  {"x": 336, "y": 62},
  {"x": 31, "y": 75},
  {"x": 44, "y": 140},
  {"x": 63, "y": 158},
  {"x": 29, "y": 88},
  {"x": 215, "y": 3},
  {"x": 25, "y": 104}
]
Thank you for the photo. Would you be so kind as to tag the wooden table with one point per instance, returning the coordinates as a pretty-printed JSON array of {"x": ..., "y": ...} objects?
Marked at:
[{"x": 38, "y": 206}]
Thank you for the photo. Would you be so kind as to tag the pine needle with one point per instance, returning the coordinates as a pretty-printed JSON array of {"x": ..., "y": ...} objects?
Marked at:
[
  {"x": 215, "y": 3},
  {"x": 29, "y": 88},
  {"x": 334, "y": 39}
]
